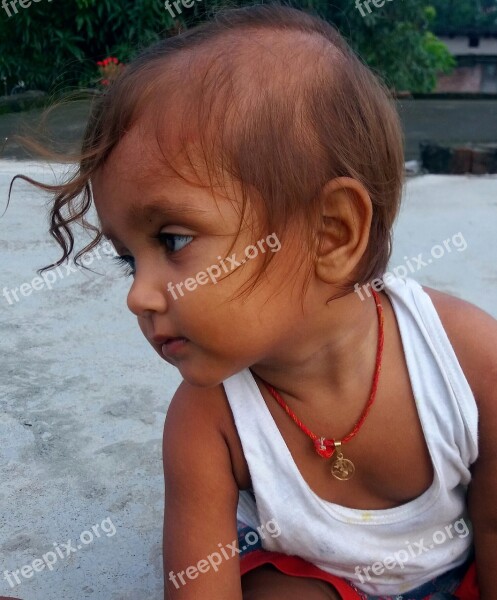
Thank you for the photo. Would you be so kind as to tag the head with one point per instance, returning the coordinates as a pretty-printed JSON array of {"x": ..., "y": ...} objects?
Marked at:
[{"x": 260, "y": 122}]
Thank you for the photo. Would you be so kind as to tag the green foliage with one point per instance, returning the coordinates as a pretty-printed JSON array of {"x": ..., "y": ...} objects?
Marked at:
[
  {"x": 463, "y": 16},
  {"x": 55, "y": 46},
  {"x": 395, "y": 40}
]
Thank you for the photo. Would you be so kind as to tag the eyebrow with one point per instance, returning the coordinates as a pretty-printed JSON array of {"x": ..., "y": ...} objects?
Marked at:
[{"x": 156, "y": 208}]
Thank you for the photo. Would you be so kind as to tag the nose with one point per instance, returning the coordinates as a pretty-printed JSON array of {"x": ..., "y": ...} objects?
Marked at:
[{"x": 147, "y": 295}]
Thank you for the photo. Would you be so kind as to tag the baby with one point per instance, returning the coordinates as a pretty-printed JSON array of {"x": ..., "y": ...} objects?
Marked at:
[{"x": 248, "y": 173}]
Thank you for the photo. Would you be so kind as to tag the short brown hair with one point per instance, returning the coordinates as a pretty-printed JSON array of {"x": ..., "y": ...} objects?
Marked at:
[{"x": 324, "y": 116}]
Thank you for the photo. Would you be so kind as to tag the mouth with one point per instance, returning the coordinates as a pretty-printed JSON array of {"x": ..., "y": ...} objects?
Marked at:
[{"x": 173, "y": 345}]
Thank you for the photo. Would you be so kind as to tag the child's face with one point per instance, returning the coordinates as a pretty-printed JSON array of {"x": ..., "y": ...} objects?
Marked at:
[{"x": 176, "y": 245}]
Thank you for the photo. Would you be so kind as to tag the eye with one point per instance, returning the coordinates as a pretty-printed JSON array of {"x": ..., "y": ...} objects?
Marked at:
[
  {"x": 170, "y": 238},
  {"x": 128, "y": 262}
]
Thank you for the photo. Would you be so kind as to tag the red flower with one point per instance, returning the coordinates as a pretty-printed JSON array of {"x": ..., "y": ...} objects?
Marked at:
[{"x": 109, "y": 68}]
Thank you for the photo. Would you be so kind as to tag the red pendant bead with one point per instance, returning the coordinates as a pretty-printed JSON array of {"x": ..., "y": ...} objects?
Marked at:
[{"x": 324, "y": 448}]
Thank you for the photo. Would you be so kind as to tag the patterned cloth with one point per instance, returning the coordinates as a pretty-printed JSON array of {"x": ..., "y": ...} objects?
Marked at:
[{"x": 443, "y": 587}]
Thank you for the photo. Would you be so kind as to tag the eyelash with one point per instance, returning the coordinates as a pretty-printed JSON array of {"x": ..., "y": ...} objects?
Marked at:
[{"x": 128, "y": 262}]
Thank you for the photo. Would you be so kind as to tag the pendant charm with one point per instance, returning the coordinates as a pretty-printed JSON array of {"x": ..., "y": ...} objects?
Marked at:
[{"x": 342, "y": 468}]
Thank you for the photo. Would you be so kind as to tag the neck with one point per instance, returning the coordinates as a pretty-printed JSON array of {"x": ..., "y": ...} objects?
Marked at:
[{"x": 329, "y": 359}]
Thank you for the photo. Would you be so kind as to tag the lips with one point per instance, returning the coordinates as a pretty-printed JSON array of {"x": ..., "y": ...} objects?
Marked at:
[
  {"x": 174, "y": 339},
  {"x": 163, "y": 339},
  {"x": 173, "y": 345}
]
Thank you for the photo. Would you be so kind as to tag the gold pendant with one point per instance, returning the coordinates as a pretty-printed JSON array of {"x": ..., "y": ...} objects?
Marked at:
[{"x": 342, "y": 468}]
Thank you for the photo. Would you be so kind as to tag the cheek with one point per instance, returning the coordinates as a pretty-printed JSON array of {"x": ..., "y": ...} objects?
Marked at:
[
  {"x": 141, "y": 325},
  {"x": 200, "y": 295}
]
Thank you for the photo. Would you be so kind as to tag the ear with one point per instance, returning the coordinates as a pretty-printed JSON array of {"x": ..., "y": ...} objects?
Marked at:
[{"x": 346, "y": 213}]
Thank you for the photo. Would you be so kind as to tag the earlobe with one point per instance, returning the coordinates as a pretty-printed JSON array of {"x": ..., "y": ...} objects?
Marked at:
[{"x": 344, "y": 232}]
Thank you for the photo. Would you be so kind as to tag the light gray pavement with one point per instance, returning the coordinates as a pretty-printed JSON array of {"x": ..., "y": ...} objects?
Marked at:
[
  {"x": 83, "y": 396},
  {"x": 435, "y": 209}
]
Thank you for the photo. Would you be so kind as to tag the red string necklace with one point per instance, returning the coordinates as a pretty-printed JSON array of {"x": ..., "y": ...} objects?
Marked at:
[{"x": 342, "y": 468}]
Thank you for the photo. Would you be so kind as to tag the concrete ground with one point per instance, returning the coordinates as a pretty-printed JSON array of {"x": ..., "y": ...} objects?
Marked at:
[{"x": 83, "y": 396}]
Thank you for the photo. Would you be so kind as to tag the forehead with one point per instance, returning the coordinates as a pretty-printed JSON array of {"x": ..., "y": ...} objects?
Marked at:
[
  {"x": 134, "y": 160},
  {"x": 136, "y": 185}
]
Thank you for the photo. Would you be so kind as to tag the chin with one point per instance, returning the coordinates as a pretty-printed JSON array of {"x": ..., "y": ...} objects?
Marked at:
[
  {"x": 201, "y": 380},
  {"x": 204, "y": 377}
]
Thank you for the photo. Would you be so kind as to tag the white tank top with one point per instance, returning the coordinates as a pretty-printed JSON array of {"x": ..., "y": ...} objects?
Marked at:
[{"x": 388, "y": 551}]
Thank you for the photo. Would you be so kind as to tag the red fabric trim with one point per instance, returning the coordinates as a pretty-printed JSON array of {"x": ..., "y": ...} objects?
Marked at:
[
  {"x": 468, "y": 590},
  {"x": 298, "y": 567}
]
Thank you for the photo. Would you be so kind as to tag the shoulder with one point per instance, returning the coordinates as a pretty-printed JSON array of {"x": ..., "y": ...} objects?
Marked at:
[
  {"x": 461, "y": 318},
  {"x": 473, "y": 335},
  {"x": 194, "y": 414},
  {"x": 197, "y": 411},
  {"x": 201, "y": 418},
  {"x": 193, "y": 439}
]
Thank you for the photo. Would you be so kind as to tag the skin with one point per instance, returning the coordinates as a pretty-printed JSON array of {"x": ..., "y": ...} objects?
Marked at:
[{"x": 317, "y": 355}]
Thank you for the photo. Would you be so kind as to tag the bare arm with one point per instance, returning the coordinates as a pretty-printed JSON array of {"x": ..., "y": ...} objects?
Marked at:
[
  {"x": 201, "y": 496},
  {"x": 473, "y": 334}
]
